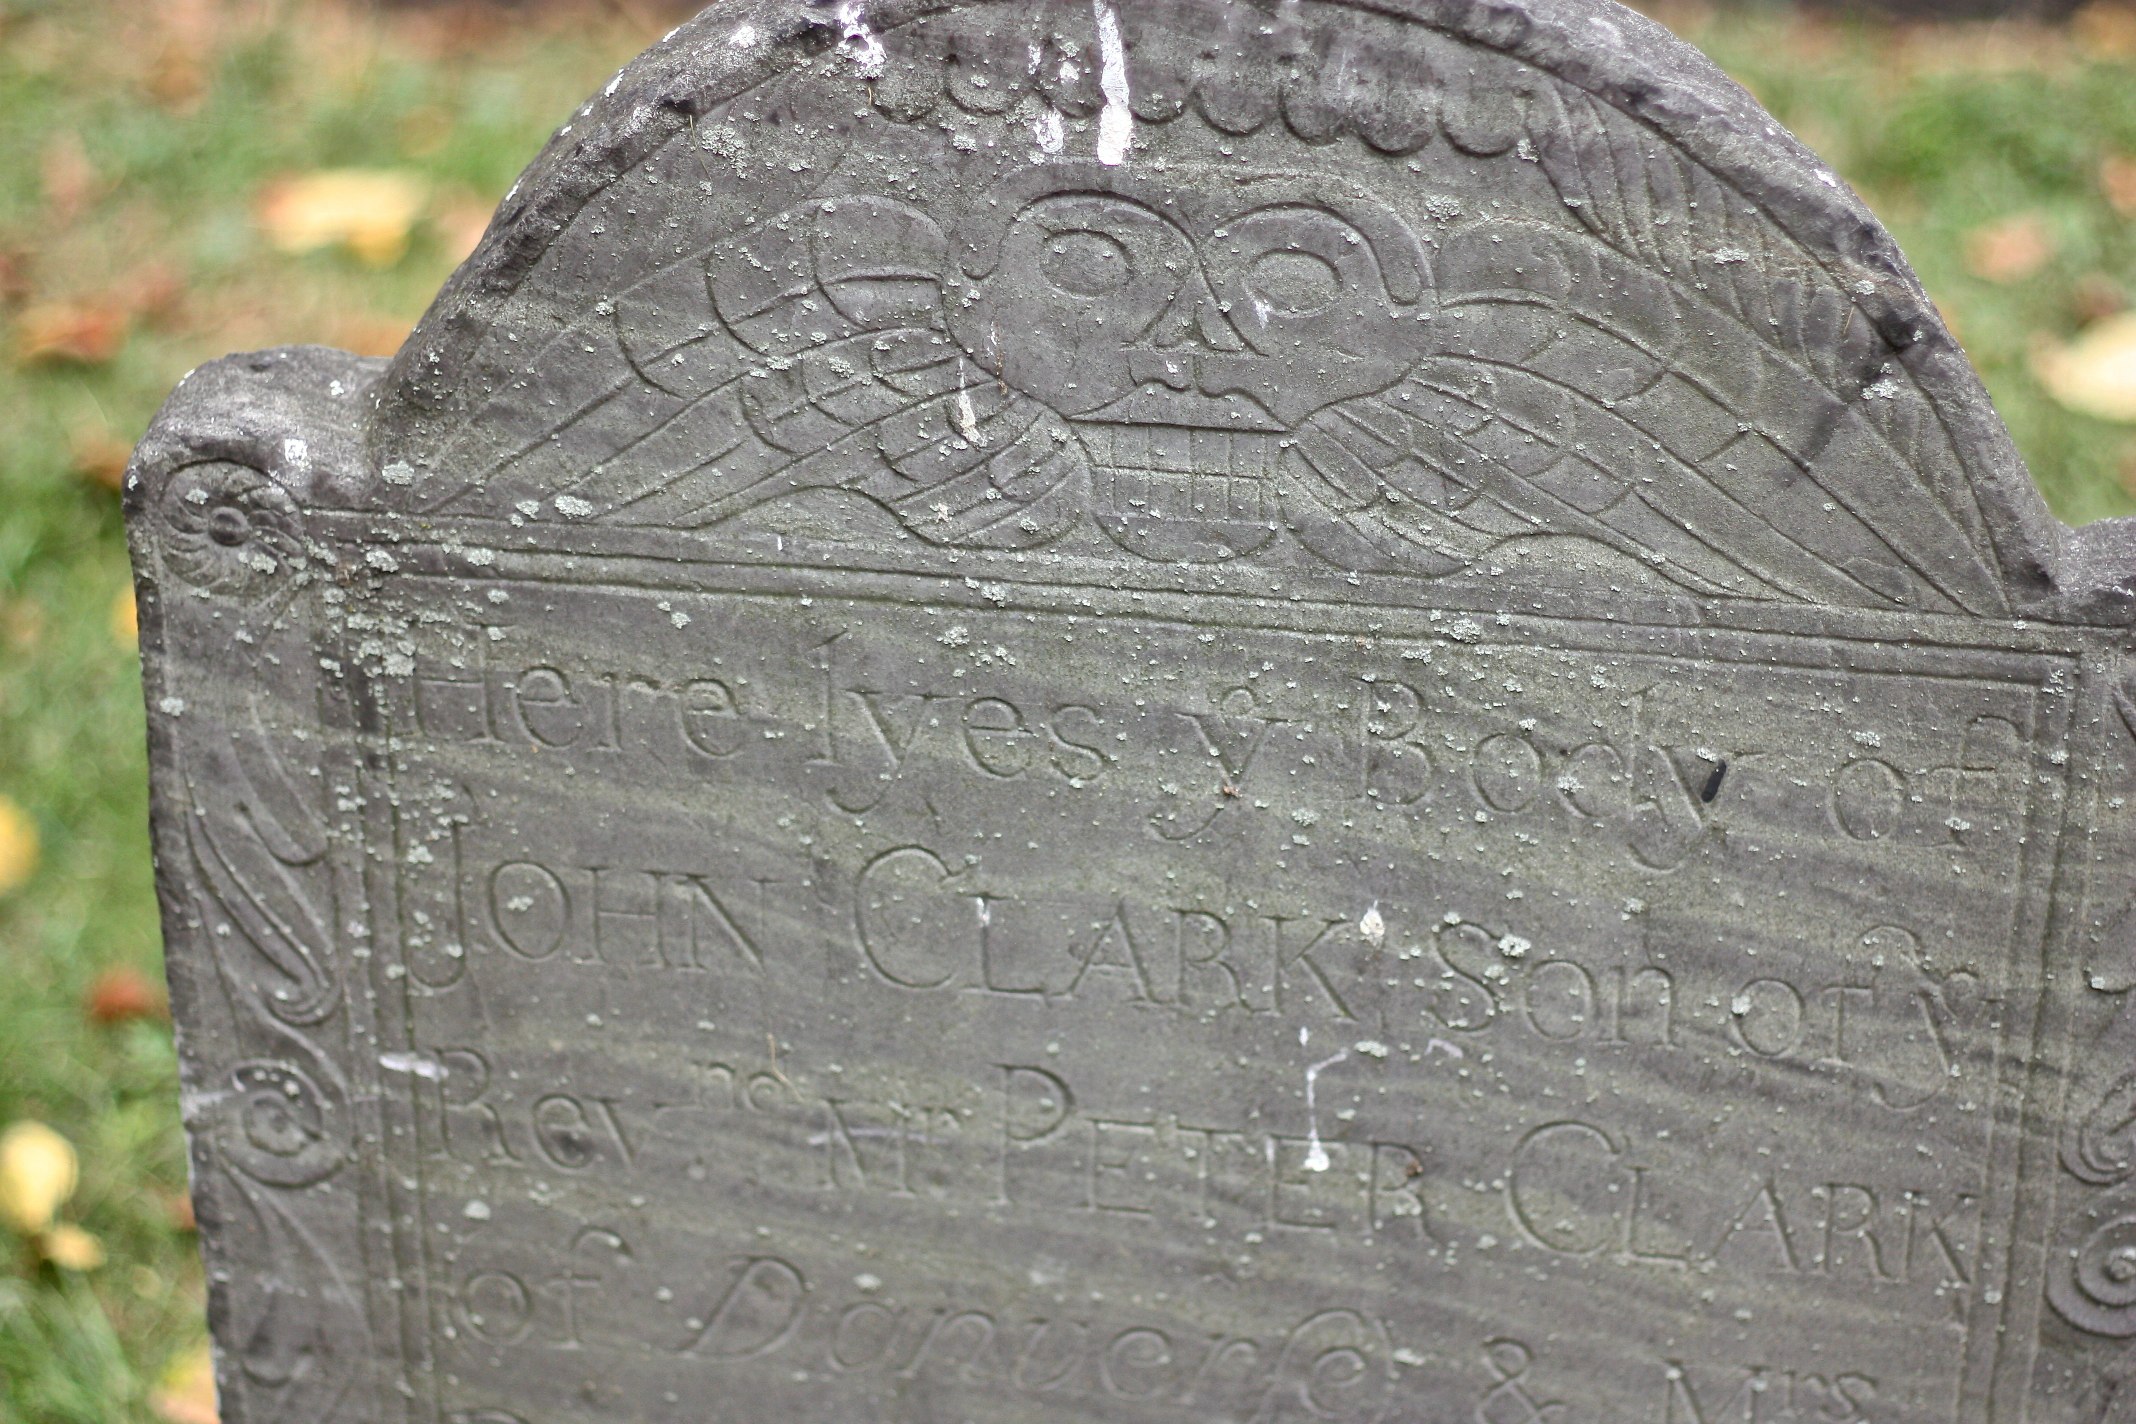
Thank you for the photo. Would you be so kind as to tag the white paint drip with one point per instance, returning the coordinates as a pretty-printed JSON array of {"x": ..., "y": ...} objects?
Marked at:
[
  {"x": 1116, "y": 124},
  {"x": 1050, "y": 134},
  {"x": 967, "y": 416},
  {"x": 1373, "y": 926},
  {"x": 860, "y": 43},
  {"x": 884, "y": 1134},
  {"x": 422, "y": 1065},
  {"x": 1316, "y": 1156}
]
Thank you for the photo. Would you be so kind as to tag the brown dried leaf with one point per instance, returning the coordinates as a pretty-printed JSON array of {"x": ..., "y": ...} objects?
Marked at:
[
  {"x": 370, "y": 335},
  {"x": 14, "y": 276},
  {"x": 368, "y": 211},
  {"x": 120, "y": 995},
  {"x": 2096, "y": 297},
  {"x": 180, "y": 39},
  {"x": 2010, "y": 249},
  {"x": 2117, "y": 180},
  {"x": 177, "y": 77},
  {"x": 2106, "y": 28},
  {"x": 71, "y": 182},
  {"x": 461, "y": 223},
  {"x": 88, "y": 333},
  {"x": 99, "y": 456},
  {"x": 154, "y": 292}
]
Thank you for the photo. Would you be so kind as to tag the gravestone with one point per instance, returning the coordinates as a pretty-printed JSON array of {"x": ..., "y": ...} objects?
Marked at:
[{"x": 1163, "y": 710}]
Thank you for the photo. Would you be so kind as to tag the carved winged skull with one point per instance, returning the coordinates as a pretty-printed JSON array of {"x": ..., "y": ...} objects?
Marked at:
[{"x": 1205, "y": 366}]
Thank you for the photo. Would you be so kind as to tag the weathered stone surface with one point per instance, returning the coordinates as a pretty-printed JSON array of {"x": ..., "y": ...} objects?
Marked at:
[{"x": 1150, "y": 711}]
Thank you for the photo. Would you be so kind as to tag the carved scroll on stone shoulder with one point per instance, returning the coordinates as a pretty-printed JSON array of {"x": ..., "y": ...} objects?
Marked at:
[{"x": 245, "y": 775}]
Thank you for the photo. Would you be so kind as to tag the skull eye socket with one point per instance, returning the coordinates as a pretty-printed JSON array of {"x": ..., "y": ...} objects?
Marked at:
[
  {"x": 1086, "y": 263},
  {"x": 1291, "y": 283}
]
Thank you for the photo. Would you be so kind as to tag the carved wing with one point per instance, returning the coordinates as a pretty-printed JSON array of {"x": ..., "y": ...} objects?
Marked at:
[
  {"x": 808, "y": 353},
  {"x": 1571, "y": 391}
]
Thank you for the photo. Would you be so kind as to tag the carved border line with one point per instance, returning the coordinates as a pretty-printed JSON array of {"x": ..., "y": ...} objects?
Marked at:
[{"x": 484, "y": 551}]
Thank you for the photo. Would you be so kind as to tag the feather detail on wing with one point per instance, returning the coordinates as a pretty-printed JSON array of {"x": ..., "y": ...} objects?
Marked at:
[
  {"x": 1569, "y": 391},
  {"x": 808, "y": 352}
]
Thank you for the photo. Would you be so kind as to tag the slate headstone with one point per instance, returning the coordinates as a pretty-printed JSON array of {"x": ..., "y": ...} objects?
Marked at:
[{"x": 1149, "y": 710}]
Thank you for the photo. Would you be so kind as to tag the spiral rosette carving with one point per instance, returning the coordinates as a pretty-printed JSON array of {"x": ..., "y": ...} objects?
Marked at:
[
  {"x": 232, "y": 530},
  {"x": 2102, "y": 1151},
  {"x": 2095, "y": 1286},
  {"x": 282, "y": 1129}
]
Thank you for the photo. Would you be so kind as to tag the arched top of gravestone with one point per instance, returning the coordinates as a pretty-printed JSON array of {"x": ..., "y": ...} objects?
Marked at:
[{"x": 1453, "y": 292}]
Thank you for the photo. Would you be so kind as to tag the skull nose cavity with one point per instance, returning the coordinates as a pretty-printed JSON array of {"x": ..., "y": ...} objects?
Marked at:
[{"x": 1196, "y": 319}]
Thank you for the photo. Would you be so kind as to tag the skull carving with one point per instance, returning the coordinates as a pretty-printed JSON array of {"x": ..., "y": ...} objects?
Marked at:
[{"x": 1186, "y": 334}]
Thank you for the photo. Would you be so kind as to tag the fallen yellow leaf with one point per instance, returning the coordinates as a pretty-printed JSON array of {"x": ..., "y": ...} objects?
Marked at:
[
  {"x": 186, "y": 1393},
  {"x": 38, "y": 1172},
  {"x": 2096, "y": 373},
  {"x": 18, "y": 846},
  {"x": 72, "y": 1249},
  {"x": 125, "y": 619},
  {"x": 370, "y": 211}
]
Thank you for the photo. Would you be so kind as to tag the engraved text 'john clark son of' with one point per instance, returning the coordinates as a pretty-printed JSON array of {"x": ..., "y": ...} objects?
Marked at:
[{"x": 1150, "y": 710}]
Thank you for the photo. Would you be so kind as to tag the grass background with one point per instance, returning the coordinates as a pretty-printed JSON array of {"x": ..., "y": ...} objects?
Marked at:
[{"x": 135, "y": 142}]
